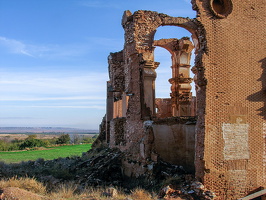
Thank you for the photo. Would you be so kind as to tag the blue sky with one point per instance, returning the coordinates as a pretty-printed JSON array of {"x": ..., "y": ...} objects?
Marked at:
[{"x": 53, "y": 66}]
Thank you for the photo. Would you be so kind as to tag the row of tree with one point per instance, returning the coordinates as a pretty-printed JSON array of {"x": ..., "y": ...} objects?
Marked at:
[{"x": 31, "y": 142}]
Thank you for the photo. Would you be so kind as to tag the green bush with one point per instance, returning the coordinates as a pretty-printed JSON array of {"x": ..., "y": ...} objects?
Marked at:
[
  {"x": 30, "y": 143},
  {"x": 9, "y": 146},
  {"x": 63, "y": 139},
  {"x": 88, "y": 140}
]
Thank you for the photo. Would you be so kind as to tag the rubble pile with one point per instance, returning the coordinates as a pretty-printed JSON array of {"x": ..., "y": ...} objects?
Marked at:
[
  {"x": 102, "y": 167},
  {"x": 187, "y": 189},
  {"x": 176, "y": 183}
]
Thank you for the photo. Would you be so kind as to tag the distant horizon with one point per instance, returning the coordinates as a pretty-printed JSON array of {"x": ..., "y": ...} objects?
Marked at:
[
  {"x": 54, "y": 66},
  {"x": 60, "y": 127},
  {"x": 22, "y": 130}
]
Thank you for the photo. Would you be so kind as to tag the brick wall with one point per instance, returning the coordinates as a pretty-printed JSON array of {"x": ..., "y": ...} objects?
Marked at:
[{"x": 231, "y": 159}]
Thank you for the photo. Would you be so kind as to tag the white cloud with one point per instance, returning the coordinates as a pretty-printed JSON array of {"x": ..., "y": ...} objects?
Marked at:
[
  {"x": 15, "y": 46},
  {"x": 48, "y": 90},
  {"x": 50, "y": 51},
  {"x": 53, "y": 83},
  {"x": 97, "y": 107},
  {"x": 82, "y": 107},
  {"x": 51, "y": 98}
]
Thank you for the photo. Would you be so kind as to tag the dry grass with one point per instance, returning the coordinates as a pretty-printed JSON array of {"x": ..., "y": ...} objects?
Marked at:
[
  {"x": 64, "y": 191},
  {"x": 29, "y": 184},
  {"x": 102, "y": 194},
  {"x": 70, "y": 191},
  {"x": 141, "y": 194}
]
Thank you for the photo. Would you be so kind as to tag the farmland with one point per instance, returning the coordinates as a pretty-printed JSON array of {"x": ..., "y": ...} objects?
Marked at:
[
  {"x": 18, "y": 146},
  {"x": 45, "y": 153}
]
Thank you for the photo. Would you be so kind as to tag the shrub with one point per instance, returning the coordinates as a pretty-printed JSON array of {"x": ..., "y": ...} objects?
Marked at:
[
  {"x": 88, "y": 140},
  {"x": 9, "y": 146},
  {"x": 63, "y": 139},
  {"x": 30, "y": 143}
]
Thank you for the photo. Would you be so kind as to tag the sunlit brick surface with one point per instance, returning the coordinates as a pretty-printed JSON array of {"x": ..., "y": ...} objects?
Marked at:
[{"x": 233, "y": 154}]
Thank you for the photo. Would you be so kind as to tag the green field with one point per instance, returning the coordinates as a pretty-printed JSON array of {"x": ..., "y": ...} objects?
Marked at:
[{"x": 47, "y": 154}]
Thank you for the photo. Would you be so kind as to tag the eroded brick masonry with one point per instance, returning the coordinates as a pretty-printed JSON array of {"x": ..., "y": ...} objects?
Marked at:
[{"x": 229, "y": 138}]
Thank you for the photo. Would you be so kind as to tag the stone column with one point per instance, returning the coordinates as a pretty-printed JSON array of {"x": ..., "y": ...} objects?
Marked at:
[
  {"x": 185, "y": 48},
  {"x": 149, "y": 84},
  {"x": 174, "y": 95}
]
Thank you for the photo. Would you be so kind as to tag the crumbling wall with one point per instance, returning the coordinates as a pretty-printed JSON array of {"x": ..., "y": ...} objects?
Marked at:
[
  {"x": 230, "y": 149},
  {"x": 140, "y": 28},
  {"x": 163, "y": 107},
  {"x": 174, "y": 141},
  {"x": 137, "y": 85},
  {"x": 116, "y": 101},
  {"x": 229, "y": 41},
  {"x": 101, "y": 139},
  {"x": 117, "y": 132},
  {"x": 116, "y": 71}
]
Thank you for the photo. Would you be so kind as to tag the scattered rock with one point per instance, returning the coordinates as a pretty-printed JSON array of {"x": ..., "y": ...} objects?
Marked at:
[
  {"x": 186, "y": 188},
  {"x": 110, "y": 192},
  {"x": 103, "y": 167},
  {"x": 19, "y": 194}
]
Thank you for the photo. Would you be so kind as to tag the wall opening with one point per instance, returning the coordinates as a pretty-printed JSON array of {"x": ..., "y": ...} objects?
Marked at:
[
  {"x": 218, "y": 6},
  {"x": 174, "y": 87},
  {"x": 163, "y": 72},
  {"x": 174, "y": 128},
  {"x": 221, "y": 8}
]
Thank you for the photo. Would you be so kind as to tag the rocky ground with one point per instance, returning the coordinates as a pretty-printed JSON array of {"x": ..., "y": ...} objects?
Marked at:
[{"x": 102, "y": 167}]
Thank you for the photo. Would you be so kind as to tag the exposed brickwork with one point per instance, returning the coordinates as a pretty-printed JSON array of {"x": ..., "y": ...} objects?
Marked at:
[
  {"x": 233, "y": 69},
  {"x": 264, "y": 150},
  {"x": 117, "y": 135},
  {"x": 116, "y": 71},
  {"x": 229, "y": 41},
  {"x": 163, "y": 107}
]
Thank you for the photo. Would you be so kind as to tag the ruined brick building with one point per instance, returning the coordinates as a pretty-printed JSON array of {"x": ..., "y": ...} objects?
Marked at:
[{"x": 226, "y": 149}]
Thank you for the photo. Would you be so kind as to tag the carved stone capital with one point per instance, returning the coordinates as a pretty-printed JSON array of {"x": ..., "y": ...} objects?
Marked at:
[{"x": 149, "y": 68}]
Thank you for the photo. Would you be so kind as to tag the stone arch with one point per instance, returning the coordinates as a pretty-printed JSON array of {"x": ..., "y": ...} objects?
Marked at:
[
  {"x": 149, "y": 21},
  {"x": 180, "y": 101},
  {"x": 140, "y": 29},
  {"x": 139, "y": 70}
]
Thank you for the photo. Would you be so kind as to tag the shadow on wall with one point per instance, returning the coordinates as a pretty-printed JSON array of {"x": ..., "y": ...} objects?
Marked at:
[{"x": 261, "y": 95}]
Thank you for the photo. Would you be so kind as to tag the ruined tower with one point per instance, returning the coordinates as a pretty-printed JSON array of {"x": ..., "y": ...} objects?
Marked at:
[
  {"x": 230, "y": 135},
  {"x": 231, "y": 127}
]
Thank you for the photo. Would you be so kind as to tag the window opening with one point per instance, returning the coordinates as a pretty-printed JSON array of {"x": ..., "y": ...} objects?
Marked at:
[
  {"x": 221, "y": 8},
  {"x": 173, "y": 85}
]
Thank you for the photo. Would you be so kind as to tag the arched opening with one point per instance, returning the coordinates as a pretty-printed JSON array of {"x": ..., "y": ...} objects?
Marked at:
[
  {"x": 174, "y": 101},
  {"x": 174, "y": 87},
  {"x": 162, "y": 85},
  {"x": 163, "y": 72}
]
